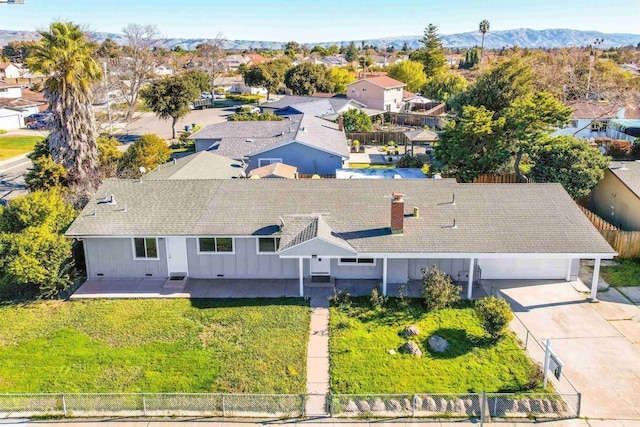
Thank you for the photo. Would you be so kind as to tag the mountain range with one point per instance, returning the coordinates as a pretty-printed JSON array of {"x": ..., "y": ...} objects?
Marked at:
[{"x": 522, "y": 37}]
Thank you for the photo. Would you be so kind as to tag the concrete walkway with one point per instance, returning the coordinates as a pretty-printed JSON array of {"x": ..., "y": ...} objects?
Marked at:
[{"x": 318, "y": 354}]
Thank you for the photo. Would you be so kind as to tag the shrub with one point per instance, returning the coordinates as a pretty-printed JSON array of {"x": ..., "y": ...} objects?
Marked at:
[
  {"x": 439, "y": 290},
  {"x": 247, "y": 116},
  {"x": 619, "y": 149},
  {"x": 377, "y": 299},
  {"x": 409, "y": 161},
  {"x": 244, "y": 98},
  {"x": 341, "y": 298},
  {"x": 149, "y": 152},
  {"x": 3, "y": 131},
  {"x": 494, "y": 315},
  {"x": 635, "y": 150}
]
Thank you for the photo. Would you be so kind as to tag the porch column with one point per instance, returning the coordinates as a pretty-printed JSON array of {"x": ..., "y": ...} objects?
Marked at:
[
  {"x": 384, "y": 276},
  {"x": 472, "y": 263},
  {"x": 301, "y": 275},
  {"x": 595, "y": 279},
  {"x": 568, "y": 278}
]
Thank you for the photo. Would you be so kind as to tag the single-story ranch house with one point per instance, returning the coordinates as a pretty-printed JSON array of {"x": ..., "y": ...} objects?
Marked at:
[{"x": 311, "y": 230}]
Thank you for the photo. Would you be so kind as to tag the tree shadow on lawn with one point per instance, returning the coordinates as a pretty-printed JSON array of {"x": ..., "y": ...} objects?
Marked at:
[{"x": 460, "y": 343}]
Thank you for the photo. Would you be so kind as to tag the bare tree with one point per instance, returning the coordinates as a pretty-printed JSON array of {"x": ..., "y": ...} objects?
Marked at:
[
  {"x": 138, "y": 63},
  {"x": 210, "y": 55}
]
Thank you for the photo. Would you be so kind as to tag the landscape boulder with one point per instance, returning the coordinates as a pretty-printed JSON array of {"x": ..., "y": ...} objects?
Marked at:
[
  {"x": 438, "y": 344},
  {"x": 410, "y": 331},
  {"x": 411, "y": 348}
]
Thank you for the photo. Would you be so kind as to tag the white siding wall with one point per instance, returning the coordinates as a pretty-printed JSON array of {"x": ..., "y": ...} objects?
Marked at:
[
  {"x": 524, "y": 268},
  {"x": 397, "y": 270},
  {"x": 356, "y": 272},
  {"x": 114, "y": 258},
  {"x": 244, "y": 264}
]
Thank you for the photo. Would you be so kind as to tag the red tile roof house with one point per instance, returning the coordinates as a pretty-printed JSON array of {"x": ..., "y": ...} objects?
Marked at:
[
  {"x": 385, "y": 231},
  {"x": 380, "y": 93}
]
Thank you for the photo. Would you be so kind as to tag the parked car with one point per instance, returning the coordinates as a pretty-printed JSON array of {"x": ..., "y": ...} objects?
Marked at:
[
  {"x": 219, "y": 96},
  {"x": 206, "y": 95},
  {"x": 39, "y": 124},
  {"x": 38, "y": 116}
]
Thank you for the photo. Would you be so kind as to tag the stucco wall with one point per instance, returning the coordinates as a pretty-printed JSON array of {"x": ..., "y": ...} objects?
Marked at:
[
  {"x": 113, "y": 257},
  {"x": 615, "y": 203}
]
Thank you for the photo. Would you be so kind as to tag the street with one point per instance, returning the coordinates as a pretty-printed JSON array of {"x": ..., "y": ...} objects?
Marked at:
[{"x": 12, "y": 178}]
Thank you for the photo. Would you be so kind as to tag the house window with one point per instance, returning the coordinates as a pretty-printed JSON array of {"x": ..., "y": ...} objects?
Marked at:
[
  {"x": 265, "y": 162},
  {"x": 387, "y": 107},
  {"x": 145, "y": 247},
  {"x": 215, "y": 244},
  {"x": 268, "y": 245},
  {"x": 574, "y": 123},
  {"x": 357, "y": 261},
  {"x": 599, "y": 125}
]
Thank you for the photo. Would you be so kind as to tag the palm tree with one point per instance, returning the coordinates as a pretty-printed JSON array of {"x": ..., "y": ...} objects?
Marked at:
[
  {"x": 365, "y": 62},
  {"x": 484, "y": 29},
  {"x": 64, "y": 54}
]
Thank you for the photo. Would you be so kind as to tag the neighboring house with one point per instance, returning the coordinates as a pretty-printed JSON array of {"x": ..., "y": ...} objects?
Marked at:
[
  {"x": 380, "y": 93},
  {"x": 10, "y": 90},
  {"x": 616, "y": 198},
  {"x": 592, "y": 119},
  {"x": 236, "y": 84},
  {"x": 202, "y": 165},
  {"x": 14, "y": 107},
  {"x": 231, "y": 63},
  {"x": 328, "y": 108},
  {"x": 334, "y": 61},
  {"x": 163, "y": 70},
  {"x": 326, "y": 230},
  {"x": 275, "y": 170},
  {"x": 312, "y": 144},
  {"x": 9, "y": 71}
]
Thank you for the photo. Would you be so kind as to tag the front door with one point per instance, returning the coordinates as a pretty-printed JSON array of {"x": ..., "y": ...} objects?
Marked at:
[
  {"x": 320, "y": 266},
  {"x": 177, "y": 255}
]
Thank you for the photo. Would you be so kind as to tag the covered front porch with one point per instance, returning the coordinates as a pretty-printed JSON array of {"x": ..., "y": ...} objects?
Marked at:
[{"x": 118, "y": 288}]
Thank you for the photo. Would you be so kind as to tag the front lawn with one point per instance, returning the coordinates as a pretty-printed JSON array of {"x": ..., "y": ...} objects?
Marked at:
[
  {"x": 11, "y": 146},
  {"x": 362, "y": 340},
  {"x": 625, "y": 274},
  {"x": 151, "y": 345}
]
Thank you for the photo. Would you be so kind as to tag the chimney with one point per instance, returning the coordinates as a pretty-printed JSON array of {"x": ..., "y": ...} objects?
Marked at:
[
  {"x": 397, "y": 214},
  {"x": 340, "y": 123}
]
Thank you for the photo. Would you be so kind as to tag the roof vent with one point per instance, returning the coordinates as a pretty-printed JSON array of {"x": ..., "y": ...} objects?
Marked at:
[
  {"x": 623, "y": 167},
  {"x": 453, "y": 199},
  {"x": 304, "y": 129},
  {"x": 111, "y": 200},
  {"x": 282, "y": 223},
  {"x": 124, "y": 209},
  {"x": 249, "y": 140}
]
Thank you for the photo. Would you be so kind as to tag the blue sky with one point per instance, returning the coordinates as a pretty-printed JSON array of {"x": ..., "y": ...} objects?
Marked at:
[{"x": 329, "y": 20}]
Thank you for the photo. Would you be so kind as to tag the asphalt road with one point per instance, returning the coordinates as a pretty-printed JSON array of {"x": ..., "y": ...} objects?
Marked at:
[{"x": 12, "y": 179}]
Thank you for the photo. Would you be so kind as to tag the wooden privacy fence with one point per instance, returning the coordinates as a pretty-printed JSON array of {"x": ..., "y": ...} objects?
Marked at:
[
  {"x": 509, "y": 178},
  {"x": 378, "y": 138},
  {"x": 626, "y": 243}
]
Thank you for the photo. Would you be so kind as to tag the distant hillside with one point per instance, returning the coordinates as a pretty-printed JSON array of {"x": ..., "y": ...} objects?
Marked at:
[{"x": 523, "y": 37}]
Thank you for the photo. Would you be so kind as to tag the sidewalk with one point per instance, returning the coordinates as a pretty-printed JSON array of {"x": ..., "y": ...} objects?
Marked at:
[{"x": 323, "y": 422}]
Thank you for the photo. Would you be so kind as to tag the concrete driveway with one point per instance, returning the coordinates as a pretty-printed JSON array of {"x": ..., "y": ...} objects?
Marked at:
[{"x": 599, "y": 343}]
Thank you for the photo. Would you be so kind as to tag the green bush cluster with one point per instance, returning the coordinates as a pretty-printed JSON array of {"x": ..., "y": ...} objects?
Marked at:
[
  {"x": 494, "y": 315},
  {"x": 439, "y": 291}
]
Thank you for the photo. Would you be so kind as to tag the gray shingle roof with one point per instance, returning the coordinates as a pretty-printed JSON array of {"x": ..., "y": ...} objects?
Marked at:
[
  {"x": 202, "y": 165},
  {"x": 490, "y": 218},
  {"x": 629, "y": 174},
  {"x": 243, "y": 139}
]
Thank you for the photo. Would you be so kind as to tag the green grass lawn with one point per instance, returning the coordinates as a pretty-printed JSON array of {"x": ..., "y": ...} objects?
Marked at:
[
  {"x": 361, "y": 339},
  {"x": 625, "y": 274},
  {"x": 151, "y": 345},
  {"x": 11, "y": 146}
]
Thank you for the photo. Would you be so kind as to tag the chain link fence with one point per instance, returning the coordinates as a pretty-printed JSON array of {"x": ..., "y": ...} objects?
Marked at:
[
  {"x": 474, "y": 405},
  {"x": 151, "y": 404}
]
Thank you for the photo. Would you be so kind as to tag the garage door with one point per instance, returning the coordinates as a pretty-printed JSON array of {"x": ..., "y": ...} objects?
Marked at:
[
  {"x": 509, "y": 268},
  {"x": 10, "y": 122}
]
